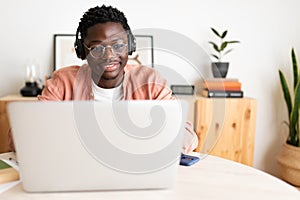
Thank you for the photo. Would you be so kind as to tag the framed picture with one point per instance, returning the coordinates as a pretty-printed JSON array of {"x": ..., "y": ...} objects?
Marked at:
[
  {"x": 64, "y": 51},
  {"x": 65, "y": 55},
  {"x": 144, "y": 53}
]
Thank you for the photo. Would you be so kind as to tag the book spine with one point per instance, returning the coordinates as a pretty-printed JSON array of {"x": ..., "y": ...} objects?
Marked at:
[
  {"x": 236, "y": 86},
  {"x": 226, "y": 88},
  {"x": 223, "y": 94},
  {"x": 223, "y": 84},
  {"x": 221, "y": 80}
]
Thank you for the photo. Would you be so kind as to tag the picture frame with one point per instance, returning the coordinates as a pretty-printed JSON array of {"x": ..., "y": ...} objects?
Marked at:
[
  {"x": 144, "y": 53},
  {"x": 64, "y": 51},
  {"x": 65, "y": 55}
]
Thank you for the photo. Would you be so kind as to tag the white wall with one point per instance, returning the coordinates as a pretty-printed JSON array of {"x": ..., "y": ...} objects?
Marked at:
[{"x": 267, "y": 29}]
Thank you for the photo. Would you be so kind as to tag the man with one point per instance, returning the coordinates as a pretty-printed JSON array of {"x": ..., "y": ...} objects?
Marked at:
[{"x": 104, "y": 39}]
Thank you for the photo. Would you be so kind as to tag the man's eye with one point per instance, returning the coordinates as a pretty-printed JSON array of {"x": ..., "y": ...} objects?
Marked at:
[
  {"x": 97, "y": 48},
  {"x": 118, "y": 46}
]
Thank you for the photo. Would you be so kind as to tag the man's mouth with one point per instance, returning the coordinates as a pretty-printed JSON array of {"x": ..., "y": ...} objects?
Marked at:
[{"x": 111, "y": 67}]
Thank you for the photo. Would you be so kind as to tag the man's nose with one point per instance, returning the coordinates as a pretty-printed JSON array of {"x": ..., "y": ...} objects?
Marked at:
[{"x": 108, "y": 52}]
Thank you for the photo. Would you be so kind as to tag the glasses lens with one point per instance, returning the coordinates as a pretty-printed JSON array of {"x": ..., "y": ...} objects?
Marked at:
[
  {"x": 119, "y": 47},
  {"x": 97, "y": 51}
]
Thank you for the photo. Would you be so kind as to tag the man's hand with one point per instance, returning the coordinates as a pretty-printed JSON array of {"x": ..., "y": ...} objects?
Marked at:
[{"x": 190, "y": 139}]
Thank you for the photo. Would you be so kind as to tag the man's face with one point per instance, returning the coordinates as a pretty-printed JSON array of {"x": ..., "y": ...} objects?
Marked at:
[{"x": 107, "y": 53}]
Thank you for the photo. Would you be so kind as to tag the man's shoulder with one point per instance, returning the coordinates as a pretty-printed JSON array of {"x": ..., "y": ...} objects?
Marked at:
[
  {"x": 68, "y": 73},
  {"x": 67, "y": 70}
]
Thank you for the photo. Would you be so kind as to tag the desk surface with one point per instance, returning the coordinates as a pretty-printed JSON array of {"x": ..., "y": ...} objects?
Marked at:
[{"x": 211, "y": 178}]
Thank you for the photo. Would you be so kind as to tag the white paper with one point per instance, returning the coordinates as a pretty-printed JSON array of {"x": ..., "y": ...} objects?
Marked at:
[{"x": 6, "y": 186}]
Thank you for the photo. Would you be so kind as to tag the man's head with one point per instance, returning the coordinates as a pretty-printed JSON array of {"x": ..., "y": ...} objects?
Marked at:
[
  {"x": 104, "y": 38},
  {"x": 98, "y": 15}
]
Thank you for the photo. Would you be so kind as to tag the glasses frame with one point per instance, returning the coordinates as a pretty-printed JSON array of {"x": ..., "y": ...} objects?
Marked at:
[{"x": 104, "y": 48}]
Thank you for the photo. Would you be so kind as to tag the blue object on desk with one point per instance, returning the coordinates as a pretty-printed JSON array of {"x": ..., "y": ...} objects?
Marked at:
[{"x": 187, "y": 160}]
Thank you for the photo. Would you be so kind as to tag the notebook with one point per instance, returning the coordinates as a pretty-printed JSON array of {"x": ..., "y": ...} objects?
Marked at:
[{"x": 87, "y": 145}]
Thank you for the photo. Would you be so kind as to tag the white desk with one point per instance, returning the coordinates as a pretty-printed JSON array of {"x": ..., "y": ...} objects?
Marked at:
[{"x": 211, "y": 178}]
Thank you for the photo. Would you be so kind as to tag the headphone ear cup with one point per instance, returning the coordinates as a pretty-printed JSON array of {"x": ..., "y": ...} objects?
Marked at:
[
  {"x": 79, "y": 49},
  {"x": 131, "y": 44}
]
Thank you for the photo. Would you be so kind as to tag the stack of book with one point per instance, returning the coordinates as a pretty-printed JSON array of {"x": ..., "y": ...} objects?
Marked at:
[
  {"x": 222, "y": 88},
  {"x": 7, "y": 172}
]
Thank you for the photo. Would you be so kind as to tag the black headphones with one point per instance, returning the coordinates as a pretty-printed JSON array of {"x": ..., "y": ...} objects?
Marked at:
[{"x": 80, "y": 51}]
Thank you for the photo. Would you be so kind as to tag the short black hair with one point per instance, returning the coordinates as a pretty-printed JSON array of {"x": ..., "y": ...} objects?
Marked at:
[{"x": 101, "y": 15}]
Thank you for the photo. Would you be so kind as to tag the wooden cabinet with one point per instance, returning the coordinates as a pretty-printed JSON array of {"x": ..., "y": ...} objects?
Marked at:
[
  {"x": 226, "y": 127},
  {"x": 4, "y": 122}
]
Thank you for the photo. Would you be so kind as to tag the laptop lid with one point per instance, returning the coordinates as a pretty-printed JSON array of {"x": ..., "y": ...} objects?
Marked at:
[{"x": 87, "y": 145}]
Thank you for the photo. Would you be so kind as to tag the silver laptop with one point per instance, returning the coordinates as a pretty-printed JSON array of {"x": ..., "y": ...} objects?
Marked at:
[{"x": 87, "y": 145}]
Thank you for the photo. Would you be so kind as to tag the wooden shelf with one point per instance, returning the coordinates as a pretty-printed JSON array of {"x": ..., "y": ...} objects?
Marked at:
[{"x": 226, "y": 127}]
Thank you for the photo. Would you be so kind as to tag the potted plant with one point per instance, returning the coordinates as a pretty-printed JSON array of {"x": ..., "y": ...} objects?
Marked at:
[
  {"x": 219, "y": 68},
  {"x": 289, "y": 157}
]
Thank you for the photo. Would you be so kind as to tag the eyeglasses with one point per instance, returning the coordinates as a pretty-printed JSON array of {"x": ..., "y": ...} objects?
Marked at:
[{"x": 117, "y": 48}]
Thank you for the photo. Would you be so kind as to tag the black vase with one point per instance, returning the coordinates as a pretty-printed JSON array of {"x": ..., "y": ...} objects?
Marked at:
[
  {"x": 31, "y": 89},
  {"x": 219, "y": 69}
]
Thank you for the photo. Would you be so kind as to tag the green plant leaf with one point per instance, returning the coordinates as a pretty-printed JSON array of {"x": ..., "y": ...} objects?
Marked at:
[
  {"x": 286, "y": 92},
  {"x": 231, "y": 42},
  {"x": 292, "y": 135},
  {"x": 295, "y": 68},
  {"x": 223, "y": 46},
  {"x": 215, "y": 56},
  {"x": 215, "y": 46},
  {"x": 228, "y": 51},
  {"x": 216, "y": 32},
  {"x": 294, "y": 117},
  {"x": 224, "y": 34}
]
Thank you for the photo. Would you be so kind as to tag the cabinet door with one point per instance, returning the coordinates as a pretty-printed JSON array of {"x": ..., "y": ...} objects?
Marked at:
[
  {"x": 226, "y": 127},
  {"x": 4, "y": 122},
  {"x": 4, "y": 128}
]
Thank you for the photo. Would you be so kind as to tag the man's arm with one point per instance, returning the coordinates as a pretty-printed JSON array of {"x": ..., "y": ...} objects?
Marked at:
[{"x": 52, "y": 90}]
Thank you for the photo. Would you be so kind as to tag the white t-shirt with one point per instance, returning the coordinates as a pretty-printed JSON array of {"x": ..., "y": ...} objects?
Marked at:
[{"x": 104, "y": 94}]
